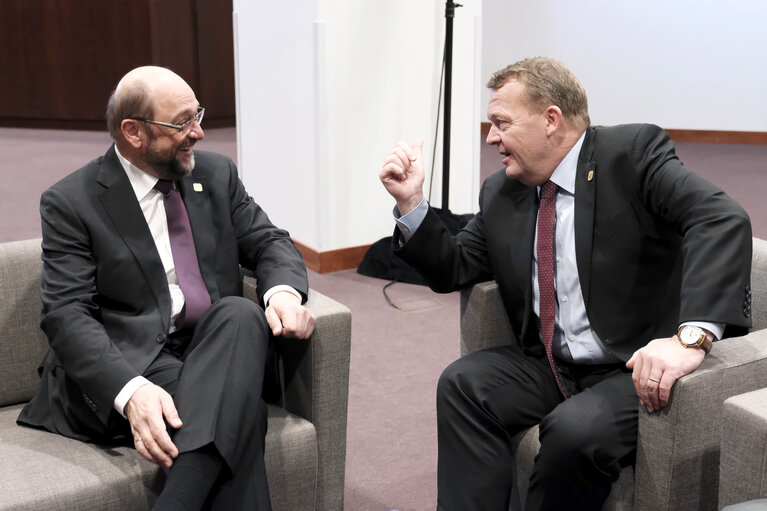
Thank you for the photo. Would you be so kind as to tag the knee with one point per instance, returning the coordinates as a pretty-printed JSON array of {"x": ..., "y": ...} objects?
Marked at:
[
  {"x": 456, "y": 381},
  {"x": 568, "y": 438},
  {"x": 241, "y": 311}
]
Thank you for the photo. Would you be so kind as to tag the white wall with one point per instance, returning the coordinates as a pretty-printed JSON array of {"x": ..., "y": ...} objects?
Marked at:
[
  {"x": 325, "y": 88},
  {"x": 684, "y": 64}
]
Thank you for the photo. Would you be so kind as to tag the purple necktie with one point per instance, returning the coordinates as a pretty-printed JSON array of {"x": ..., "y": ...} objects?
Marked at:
[
  {"x": 184, "y": 256},
  {"x": 547, "y": 214}
]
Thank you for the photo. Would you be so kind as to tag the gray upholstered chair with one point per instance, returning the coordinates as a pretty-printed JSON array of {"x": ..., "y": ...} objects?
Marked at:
[
  {"x": 743, "y": 458},
  {"x": 677, "y": 466},
  {"x": 306, "y": 439}
]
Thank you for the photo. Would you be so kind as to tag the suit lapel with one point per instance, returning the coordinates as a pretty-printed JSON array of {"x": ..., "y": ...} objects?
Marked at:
[
  {"x": 522, "y": 227},
  {"x": 585, "y": 206},
  {"x": 194, "y": 190},
  {"x": 119, "y": 201}
]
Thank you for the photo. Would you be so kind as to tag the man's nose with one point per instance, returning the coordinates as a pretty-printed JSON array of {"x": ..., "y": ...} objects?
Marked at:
[
  {"x": 196, "y": 132},
  {"x": 492, "y": 136}
]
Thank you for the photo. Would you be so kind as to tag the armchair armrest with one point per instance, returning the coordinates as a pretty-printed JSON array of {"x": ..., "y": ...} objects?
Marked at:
[
  {"x": 315, "y": 385},
  {"x": 484, "y": 323},
  {"x": 743, "y": 459},
  {"x": 677, "y": 466}
]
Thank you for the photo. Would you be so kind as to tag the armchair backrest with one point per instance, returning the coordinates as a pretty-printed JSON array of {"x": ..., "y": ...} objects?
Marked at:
[
  {"x": 759, "y": 285},
  {"x": 22, "y": 343}
]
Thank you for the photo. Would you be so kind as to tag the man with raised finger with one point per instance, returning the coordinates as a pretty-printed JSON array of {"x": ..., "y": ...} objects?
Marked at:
[
  {"x": 151, "y": 341},
  {"x": 617, "y": 268}
]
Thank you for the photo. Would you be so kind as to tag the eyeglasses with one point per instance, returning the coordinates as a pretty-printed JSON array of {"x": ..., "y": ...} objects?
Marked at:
[{"x": 179, "y": 127}]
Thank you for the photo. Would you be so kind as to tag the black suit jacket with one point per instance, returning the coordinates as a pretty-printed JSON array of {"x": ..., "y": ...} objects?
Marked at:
[
  {"x": 106, "y": 303},
  {"x": 656, "y": 244}
]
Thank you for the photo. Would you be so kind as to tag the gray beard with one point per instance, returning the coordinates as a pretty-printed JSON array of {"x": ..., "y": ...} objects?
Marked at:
[{"x": 172, "y": 169}]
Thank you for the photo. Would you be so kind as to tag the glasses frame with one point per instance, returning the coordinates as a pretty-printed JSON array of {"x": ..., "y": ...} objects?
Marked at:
[{"x": 179, "y": 127}]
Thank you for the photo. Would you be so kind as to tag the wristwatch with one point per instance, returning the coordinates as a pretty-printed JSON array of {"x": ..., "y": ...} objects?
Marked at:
[{"x": 694, "y": 337}]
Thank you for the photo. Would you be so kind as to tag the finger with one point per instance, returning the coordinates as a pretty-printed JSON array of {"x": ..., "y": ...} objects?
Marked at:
[
  {"x": 138, "y": 442},
  {"x": 399, "y": 158},
  {"x": 635, "y": 374},
  {"x": 393, "y": 171},
  {"x": 166, "y": 445},
  {"x": 630, "y": 363},
  {"x": 275, "y": 323},
  {"x": 649, "y": 388},
  {"x": 402, "y": 148},
  {"x": 150, "y": 450},
  {"x": 403, "y": 157},
  {"x": 417, "y": 151},
  {"x": 664, "y": 388},
  {"x": 308, "y": 325},
  {"x": 170, "y": 412},
  {"x": 653, "y": 391},
  {"x": 304, "y": 324}
]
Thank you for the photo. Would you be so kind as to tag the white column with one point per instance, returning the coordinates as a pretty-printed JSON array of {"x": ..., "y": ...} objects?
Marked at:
[{"x": 326, "y": 87}]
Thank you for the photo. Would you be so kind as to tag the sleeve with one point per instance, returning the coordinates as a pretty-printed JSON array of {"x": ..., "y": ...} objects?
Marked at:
[
  {"x": 447, "y": 262},
  {"x": 715, "y": 231},
  {"x": 70, "y": 317},
  {"x": 263, "y": 247}
]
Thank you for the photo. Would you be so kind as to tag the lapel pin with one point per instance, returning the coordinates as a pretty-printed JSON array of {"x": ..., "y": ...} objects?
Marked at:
[
  {"x": 589, "y": 178},
  {"x": 197, "y": 187}
]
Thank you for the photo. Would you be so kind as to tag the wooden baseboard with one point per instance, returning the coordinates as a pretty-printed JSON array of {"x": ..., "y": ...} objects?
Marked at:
[
  {"x": 90, "y": 125},
  {"x": 331, "y": 260},
  {"x": 719, "y": 137},
  {"x": 706, "y": 136}
]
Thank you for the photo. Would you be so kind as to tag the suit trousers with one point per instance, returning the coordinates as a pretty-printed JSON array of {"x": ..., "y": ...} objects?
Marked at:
[
  {"x": 486, "y": 398},
  {"x": 216, "y": 382}
]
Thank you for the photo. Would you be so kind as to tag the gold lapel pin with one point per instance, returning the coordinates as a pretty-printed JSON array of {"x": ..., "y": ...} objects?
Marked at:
[
  {"x": 590, "y": 176},
  {"x": 197, "y": 187}
]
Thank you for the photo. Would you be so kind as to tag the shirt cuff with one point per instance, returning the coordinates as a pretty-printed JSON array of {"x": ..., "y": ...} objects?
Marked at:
[
  {"x": 715, "y": 328},
  {"x": 127, "y": 392},
  {"x": 277, "y": 289},
  {"x": 408, "y": 224}
]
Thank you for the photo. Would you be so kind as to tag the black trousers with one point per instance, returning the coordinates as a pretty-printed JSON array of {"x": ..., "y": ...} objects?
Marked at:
[
  {"x": 486, "y": 398},
  {"x": 216, "y": 379}
]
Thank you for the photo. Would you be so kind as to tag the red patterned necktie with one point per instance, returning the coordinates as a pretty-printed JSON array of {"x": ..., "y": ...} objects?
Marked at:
[
  {"x": 196, "y": 296},
  {"x": 547, "y": 213}
]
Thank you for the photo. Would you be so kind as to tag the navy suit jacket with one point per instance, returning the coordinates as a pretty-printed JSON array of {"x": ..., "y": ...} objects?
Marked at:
[
  {"x": 656, "y": 244},
  {"x": 106, "y": 302}
]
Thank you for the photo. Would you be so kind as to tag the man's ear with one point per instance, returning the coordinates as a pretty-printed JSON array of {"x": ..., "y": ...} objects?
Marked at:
[
  {"x": 132, "y": 133},
  {"x": 553, "y": 118}
]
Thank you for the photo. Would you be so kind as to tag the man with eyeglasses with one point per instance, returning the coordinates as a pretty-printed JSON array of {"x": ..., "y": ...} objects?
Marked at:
[{"x": 150, "y": 339}]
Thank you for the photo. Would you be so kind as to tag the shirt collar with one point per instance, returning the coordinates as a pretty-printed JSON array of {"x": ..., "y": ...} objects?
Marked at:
[
  {"x": 141, "y": 182},
  {"x": 564, "y": 174}
]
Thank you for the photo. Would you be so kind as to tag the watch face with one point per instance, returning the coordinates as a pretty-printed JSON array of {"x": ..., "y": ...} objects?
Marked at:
[{"x": 690, "y": 335}]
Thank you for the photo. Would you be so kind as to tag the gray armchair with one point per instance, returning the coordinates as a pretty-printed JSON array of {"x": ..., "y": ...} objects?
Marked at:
[
  {"x": 677, "y": 466},
  {"x": 743, "y": 459},
  {"x": 305, "y": 443}
]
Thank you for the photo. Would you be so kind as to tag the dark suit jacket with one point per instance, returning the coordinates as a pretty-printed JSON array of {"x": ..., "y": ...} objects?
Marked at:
[
  {"x": 656, "y": 244},
  {"x": 106, "y": 303}
]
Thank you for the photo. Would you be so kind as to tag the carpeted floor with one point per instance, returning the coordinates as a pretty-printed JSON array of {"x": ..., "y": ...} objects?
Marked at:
[{"x": 397, "y": 354}]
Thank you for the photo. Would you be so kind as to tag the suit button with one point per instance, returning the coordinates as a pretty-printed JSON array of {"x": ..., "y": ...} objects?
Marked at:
[
  {"x": 93, "y": 406},
  {"x": 160, "y": 338}
]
